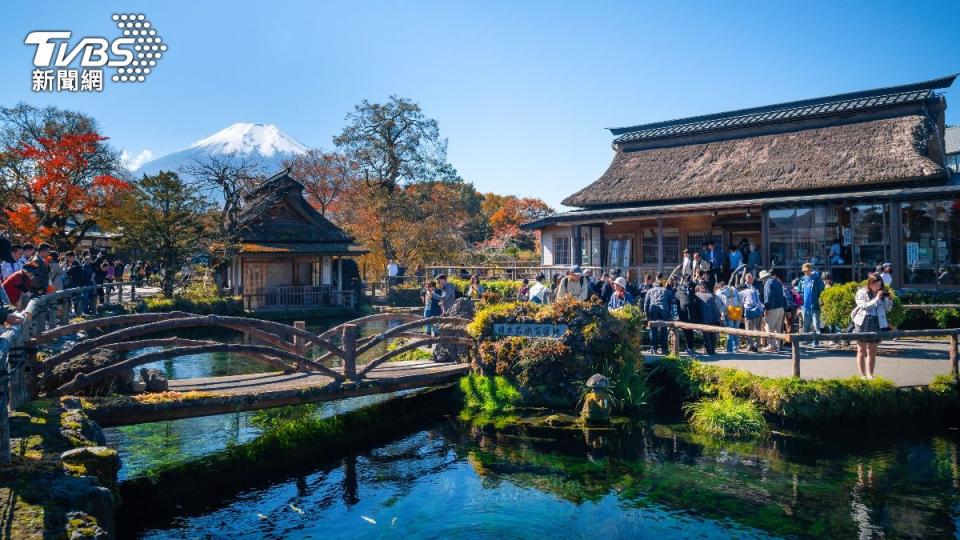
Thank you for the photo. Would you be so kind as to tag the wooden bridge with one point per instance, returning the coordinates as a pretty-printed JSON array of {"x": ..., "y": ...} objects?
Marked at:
[{"x": 340, "y": 366}]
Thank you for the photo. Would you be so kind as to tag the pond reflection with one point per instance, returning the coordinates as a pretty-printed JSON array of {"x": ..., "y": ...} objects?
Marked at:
[{"x": 466, "y": 478}]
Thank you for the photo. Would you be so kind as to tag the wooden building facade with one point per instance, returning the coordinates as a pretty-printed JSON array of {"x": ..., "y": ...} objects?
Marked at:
[
  {"x": 289, "y": 256},
  {"x": 846, "y": 182}
]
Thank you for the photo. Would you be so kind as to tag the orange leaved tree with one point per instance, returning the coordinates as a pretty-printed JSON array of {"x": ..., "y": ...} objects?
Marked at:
[{"x": 60, "y": 174}]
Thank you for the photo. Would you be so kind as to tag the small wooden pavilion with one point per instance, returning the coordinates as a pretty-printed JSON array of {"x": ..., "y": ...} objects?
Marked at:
[{"x": 289, "y": 256}]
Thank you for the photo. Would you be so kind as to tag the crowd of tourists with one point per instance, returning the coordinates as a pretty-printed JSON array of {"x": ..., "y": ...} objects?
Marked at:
[
  {"x": 29, "y": 271},
  {"x": 735, "y": 292}
]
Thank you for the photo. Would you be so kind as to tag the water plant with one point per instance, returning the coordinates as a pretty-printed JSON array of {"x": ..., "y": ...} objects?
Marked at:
[
  {"x": 488, "y": 393},
  {"x": 726, "y": 417}
]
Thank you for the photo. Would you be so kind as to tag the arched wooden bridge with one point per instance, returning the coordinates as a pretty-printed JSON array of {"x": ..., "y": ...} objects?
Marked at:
[{"x": 298, "y": 378}]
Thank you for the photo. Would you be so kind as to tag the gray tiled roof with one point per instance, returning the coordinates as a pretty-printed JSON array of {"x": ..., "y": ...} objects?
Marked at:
[
  {"x": 831, "y": 105},
  {"x": 951, "y": 138}
]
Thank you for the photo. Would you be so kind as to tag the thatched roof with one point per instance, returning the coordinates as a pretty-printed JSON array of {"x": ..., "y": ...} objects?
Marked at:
[
  {"x": 276, "y": 218},
  {"x": 951, "y": 139},
  {"x": 849, "y": 155}
]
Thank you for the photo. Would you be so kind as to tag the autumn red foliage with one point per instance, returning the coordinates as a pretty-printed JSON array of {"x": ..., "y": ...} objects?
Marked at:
[{"x": 60, "y": 196}]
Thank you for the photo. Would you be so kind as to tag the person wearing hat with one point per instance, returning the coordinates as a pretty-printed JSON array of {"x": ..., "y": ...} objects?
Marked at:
[
  {"x": 811, "y": 285},
  {"x": 773, "y": 306},
  {"x": 621, "y": 296},
  {"x": 574, "y": 285},
  {"x": 886, "y": 274}
]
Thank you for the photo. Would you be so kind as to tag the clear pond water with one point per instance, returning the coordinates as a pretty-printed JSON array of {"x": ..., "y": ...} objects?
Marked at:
[
  {"x": 455, "y": 477},
  {"x": 458, "y": 478}
]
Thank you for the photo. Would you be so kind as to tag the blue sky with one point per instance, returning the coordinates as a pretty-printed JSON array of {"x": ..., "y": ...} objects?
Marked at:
[{"x": 523, "y": 90}]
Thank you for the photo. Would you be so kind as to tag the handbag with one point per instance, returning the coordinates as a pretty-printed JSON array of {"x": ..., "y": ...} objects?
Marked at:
[{"x": 734, "y": 313}]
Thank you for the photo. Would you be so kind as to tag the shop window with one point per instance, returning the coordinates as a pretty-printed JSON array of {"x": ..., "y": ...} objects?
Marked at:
[
  {"x": 695, "y": 240},
  {"x": 931, "y": 242},
  {"x": 781, "y": 226},
  {"x": 868, "y": 223},
  {"x": 649, "y": 246},
  {"x": 619, "y": 253},
  {"x": 561, "y": 250},
  {"x": 671, "y": 246}
]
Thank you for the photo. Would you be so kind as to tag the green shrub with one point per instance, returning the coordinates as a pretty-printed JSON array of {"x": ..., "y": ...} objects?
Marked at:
[
  {"x": 838, "y": 301},
  {"x": 488, "y": 393},
  {"x": 231, "y": 305},
  {"x": 494, "y": 290},
  {"x": 930, "y": 318},
  {"x": 726, "y": 417},
  {"x": 404, "y": 296}
]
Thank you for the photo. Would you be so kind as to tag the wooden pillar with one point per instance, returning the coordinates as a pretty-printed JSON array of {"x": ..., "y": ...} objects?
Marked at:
[
  {"x": 795, "y": 356},
  {"x": 659, "y": 244},
  {"x": 953, "y": 358},
  {"x": 675, "y": 341},
  {"x": 298, "y": 342},
  {"x": 349, "y": 338}
]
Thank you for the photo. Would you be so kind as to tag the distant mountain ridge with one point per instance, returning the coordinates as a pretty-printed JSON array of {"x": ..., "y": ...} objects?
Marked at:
[{"x": 264, "y": 144}]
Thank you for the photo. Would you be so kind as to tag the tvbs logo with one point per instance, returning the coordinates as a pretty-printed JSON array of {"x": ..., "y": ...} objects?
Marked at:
[{"x": 62, "y": 67}]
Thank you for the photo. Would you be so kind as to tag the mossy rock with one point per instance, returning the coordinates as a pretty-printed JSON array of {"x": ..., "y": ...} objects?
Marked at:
[
  {"x": 98, "y": 461},
  {"x": 88, "y": 363}
]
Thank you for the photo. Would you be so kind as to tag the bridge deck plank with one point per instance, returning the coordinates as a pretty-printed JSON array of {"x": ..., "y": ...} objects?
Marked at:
[
  {"x": 265, "y": 390},
  {"x": 259, "y": 383}
]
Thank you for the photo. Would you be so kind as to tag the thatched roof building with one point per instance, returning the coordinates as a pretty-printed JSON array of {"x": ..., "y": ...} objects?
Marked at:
[
  {"x": 726, "y": 177},
  {"x": 290, "y": 256},
  {"x": 851, "y": 155},
  {"x": 275, "y": 218}
]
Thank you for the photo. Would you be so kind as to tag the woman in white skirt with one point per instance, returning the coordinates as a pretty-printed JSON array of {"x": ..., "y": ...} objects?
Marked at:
[{"x": 870, "y": 315}]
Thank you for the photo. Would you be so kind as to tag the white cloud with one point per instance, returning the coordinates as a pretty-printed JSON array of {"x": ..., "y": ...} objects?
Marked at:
[{"x": 133, "y": 162}]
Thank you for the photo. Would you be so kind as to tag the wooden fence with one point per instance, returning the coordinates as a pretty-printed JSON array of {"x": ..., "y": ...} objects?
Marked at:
[
  {"x": 17, "y": 348},
  {"x": 794, "y": 340}
]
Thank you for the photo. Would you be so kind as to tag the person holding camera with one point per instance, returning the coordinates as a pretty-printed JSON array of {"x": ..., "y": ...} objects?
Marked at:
[{"x": 870, "y": 315}]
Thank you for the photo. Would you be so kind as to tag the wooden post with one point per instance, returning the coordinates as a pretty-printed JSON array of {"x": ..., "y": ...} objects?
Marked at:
[
  {"x": 298, "y": 342},
  {"x": 953, "y": 358},
  {"x": 795, "y": 356},
  {"x": 675, "y": 341},
  {"x": 350, "y": 351}
]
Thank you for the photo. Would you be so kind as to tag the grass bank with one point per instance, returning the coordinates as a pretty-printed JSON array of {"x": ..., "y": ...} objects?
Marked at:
[{"x": 813, "y": 403}]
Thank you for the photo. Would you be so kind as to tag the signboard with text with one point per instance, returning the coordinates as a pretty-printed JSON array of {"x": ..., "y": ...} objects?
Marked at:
[{"x": 530, "y": 330}]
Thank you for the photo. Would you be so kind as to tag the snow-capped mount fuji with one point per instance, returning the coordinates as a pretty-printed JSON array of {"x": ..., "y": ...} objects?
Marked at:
[{"x": 263, "y": 144}]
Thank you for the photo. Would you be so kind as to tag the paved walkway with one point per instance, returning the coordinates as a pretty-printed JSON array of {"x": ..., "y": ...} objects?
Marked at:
[{"x": 911, "y": 362}]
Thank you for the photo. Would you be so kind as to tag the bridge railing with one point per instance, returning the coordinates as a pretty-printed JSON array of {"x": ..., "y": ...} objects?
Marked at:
[
  {"x": 17, "y": 350},
  {"x": 794, "y": 340}
]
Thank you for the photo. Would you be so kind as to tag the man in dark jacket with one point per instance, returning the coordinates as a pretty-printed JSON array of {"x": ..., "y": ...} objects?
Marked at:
[
  {"x": 658, "y": 305},
  {"x": 687, "y": 310},
  {"x": 606, "y": 288},
  {"x": 773, "y": 306}
]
